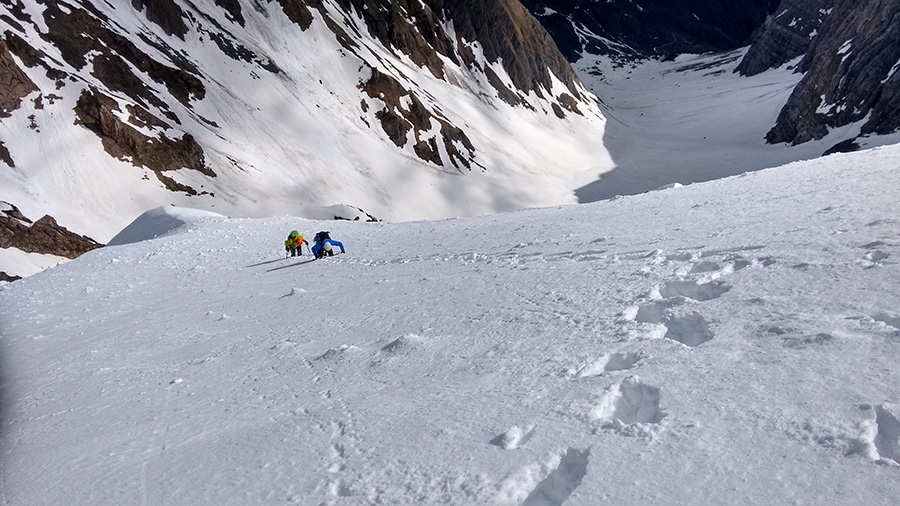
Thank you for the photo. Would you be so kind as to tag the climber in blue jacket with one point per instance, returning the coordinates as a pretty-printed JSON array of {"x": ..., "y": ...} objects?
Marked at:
[{"x": 323, "y": 245}]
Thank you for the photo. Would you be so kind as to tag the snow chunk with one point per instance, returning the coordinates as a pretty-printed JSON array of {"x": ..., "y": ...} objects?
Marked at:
[{"x": 514, "y": 437}]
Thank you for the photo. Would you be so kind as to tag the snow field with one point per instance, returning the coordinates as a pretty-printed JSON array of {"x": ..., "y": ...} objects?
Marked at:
[
  {"x": 693, "y": 119},
  {"x": 732, "y": 342}
]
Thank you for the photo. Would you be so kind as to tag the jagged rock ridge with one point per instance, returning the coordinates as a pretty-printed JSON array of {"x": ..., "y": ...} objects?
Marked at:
[{"x": 43, "y": 236}]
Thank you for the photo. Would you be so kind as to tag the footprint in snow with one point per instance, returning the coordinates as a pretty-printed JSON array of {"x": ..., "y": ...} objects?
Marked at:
[
  {"x": 559, "y": 477},
  {"x": 689, "y": 329},
  {"x": 656, "y": 312},
  {"x": 875, "y": 256},
  {"x": 887, "y": 433},
  {"x": 881, "y": 434},
  {"x": 693, "y": 290},
  {"x": 889, "y": 320},
  {"x": 704, "y": 266},
  {"x": 628, "y": 402},
  {"x": 806, "y": 341},
  {"x": 621, "y": 361}
]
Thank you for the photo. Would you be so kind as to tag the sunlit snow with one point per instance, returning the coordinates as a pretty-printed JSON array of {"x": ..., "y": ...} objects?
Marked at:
[{"x": 729, "y": 342}]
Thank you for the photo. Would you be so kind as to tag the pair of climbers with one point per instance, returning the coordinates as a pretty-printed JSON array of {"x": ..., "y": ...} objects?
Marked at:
[{"x": 323, "y": 244}]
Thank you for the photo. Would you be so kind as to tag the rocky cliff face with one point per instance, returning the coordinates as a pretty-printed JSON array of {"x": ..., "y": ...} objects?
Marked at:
[
  {"x": 851, "y": 75},
  {"x": 785, "y": 35},
  {"x": 650, "y": 27},
  {"x": 509, "y": 33}
]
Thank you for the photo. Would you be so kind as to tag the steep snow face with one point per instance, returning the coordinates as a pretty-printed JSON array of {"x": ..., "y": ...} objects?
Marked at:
[
  {"x": 731, "y": 342},
  {"x": 275, "y": 107}
]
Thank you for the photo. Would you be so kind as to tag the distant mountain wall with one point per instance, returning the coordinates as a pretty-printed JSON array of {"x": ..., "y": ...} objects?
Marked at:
[
  {"x": 663, "y": 28},
  {"x": 785, "y": 35},
  {"x": 848, "y": 50},
  {"x": 852, "y": 74}
]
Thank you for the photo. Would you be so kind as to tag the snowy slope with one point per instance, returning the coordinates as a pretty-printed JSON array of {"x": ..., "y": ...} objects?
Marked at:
[
  {"x": 693, "y": 119},
  {"x": 731, "y": 342}
]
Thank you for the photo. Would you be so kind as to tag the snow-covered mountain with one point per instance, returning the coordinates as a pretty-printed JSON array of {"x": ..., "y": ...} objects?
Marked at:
[
  {"x": 849, "y": 51},
  {"x": 389, "y": 109},
  {"x": 730, "y": 342}
]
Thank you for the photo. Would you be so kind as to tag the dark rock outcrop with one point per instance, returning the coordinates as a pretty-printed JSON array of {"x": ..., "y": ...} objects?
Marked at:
[
  {"x": 14, "y": 84},
  {"x": 504, "y": 29},
  {"x": 852, "y": 71},
  {"x": 509, "y": 33},
  {"x": 77, "y": 32},
  {"x": 298, "y": 12},
  {"x": 8, "y": 278},
  {"x": 233, "y": 8},
  {"x": 121, "y": 140},
  {"x": 85, "y": 39},
  {"x": 398, "y": 119},
  {"x": 5, "y": 157},
  {"x": 44, "y": 236},
  {"x": 785, "y": 35},
  {"x": 164, "y": 13},
  {"x": 411, "y": 26}
]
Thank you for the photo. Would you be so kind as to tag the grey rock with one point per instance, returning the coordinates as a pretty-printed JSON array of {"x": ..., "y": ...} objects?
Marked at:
[
  {"x": 850, "y": 74},
  {"x": 786, "y": 34}
]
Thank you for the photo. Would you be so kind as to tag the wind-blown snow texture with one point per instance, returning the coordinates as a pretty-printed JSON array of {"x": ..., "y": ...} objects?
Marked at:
[{"x": 731, "y": 342}]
